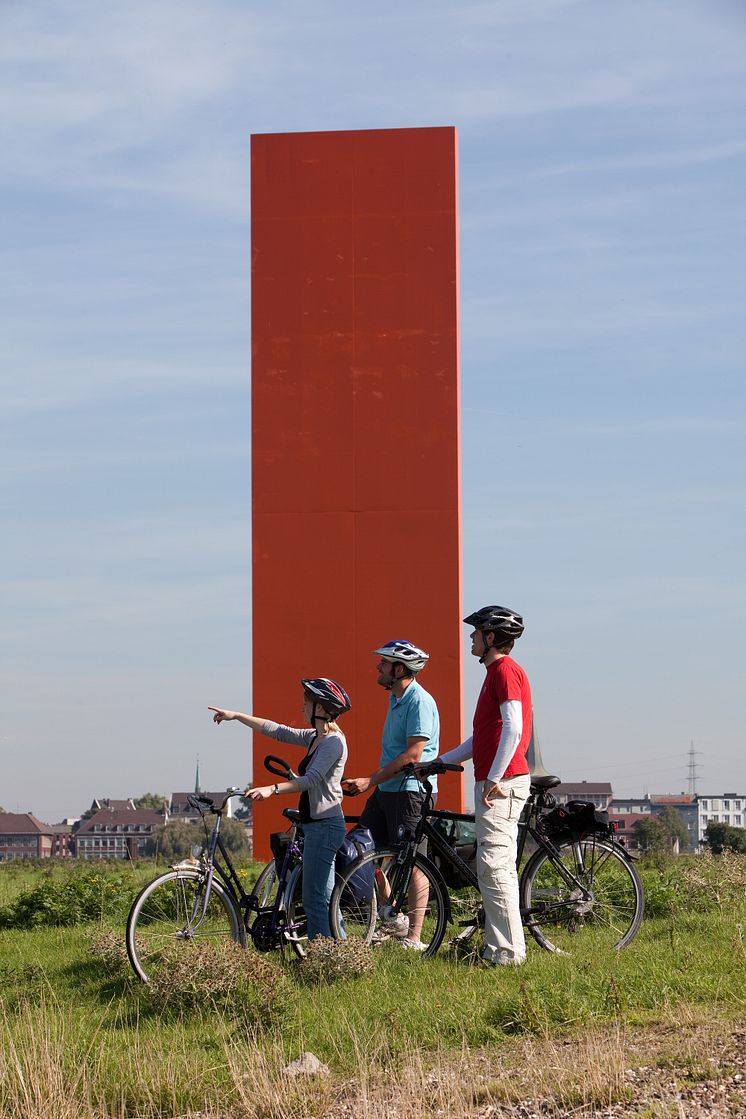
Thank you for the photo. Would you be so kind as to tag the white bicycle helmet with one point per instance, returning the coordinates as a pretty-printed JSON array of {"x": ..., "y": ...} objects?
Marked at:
[{"x": 403, "y": 652}]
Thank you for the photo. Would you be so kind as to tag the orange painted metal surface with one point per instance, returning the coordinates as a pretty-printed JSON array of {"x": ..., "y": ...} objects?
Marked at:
[{"x": 355, "y": 429}]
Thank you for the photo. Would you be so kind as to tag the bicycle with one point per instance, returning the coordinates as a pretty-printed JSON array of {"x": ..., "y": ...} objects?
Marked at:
[
  {"x": 575, "y": 889},
  {"x": 202, "y": 896}
]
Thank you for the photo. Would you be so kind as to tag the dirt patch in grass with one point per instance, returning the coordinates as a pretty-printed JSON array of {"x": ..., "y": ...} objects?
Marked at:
[{"x": 690, "y": 1071}]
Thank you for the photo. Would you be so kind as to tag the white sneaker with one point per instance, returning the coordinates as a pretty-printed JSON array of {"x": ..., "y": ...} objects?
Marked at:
[{"x": 415, "y": 945}]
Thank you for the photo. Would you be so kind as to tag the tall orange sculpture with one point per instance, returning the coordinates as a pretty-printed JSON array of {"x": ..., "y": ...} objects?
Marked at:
[{"x": 355, "y": 427}]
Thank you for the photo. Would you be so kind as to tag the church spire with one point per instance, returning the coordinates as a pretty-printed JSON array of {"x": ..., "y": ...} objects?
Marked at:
[{"x": 196, "y": 778}]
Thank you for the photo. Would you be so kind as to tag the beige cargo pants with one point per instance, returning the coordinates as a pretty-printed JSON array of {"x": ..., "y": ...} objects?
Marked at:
[{"x": 497, "y": 839}]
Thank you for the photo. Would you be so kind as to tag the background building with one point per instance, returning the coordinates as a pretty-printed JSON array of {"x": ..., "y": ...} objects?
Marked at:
[
  {"x": 64, "y": 839},
  {"x": 117, "y": 833},
  {"x": 22, "y": 836},
  {"x": 723, "y": 808},
  {"x": 625, "y": 826},
  {"x": 686, "y": 806},
  {"x": 638, "y": 806},
  {"x": 597, "y": 792}
]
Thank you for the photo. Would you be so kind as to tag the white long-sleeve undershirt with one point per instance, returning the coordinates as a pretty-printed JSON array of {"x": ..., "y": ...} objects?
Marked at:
[
  {"x": 458, "y": 754},
  {"x": 510, "y": 736}
]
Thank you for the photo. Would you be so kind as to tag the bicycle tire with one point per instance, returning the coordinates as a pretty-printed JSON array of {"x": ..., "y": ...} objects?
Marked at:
[
  {"x": 296, "y": 926},
  {"x": 563, "y": 920},
  {"x": 161, "y": 911},
  {"x": 363, "y": 891}
]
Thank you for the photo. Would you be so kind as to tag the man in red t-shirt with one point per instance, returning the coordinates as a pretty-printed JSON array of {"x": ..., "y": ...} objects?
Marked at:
[{"x": 498, "y": 745}]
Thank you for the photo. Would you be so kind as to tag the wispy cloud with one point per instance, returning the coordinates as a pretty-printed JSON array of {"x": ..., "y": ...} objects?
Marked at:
[{"x": 601, "y": 273}]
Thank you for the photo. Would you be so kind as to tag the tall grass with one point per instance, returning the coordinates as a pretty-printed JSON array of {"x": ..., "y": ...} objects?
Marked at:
[{"x": 80, "y": 1037}]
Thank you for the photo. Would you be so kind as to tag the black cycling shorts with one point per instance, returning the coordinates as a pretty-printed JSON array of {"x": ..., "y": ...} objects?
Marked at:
[{"x": 386, "y": 812}]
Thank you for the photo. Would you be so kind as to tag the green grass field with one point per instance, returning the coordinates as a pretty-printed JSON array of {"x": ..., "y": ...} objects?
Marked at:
[{"x": 82, "y": 1039}]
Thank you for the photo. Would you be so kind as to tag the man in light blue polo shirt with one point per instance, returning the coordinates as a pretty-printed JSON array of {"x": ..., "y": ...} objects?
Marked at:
[{"x": 411, "y": 733}]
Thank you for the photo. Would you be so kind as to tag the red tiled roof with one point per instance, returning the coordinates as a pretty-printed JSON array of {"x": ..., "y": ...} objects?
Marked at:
[
  {"x": 681, "y": 799},
  {"x": 22, "y": 823}
]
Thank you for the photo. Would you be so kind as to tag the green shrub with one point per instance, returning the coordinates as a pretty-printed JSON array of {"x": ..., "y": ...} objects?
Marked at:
[
  {"x": 694, "y": 884},
  {"x": 332, "y": 961},
  {"x": 107, "y": 947},
  {"x": 219, "y": 975},
  {"x": 86, "y": 893}
]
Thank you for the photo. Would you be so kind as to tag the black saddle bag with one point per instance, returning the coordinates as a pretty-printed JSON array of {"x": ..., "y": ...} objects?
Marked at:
[{"x": 575, "y": 820}]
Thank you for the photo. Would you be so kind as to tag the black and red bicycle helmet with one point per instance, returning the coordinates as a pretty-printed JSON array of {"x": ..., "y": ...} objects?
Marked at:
[{"x": 331, "y": 695}]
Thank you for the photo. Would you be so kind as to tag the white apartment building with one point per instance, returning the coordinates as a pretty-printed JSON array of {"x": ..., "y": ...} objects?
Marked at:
[{"x": 725, "y": 808}]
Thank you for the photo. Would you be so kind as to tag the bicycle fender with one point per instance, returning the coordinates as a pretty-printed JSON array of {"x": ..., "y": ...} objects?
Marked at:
[{"x": 290, "y": 885}]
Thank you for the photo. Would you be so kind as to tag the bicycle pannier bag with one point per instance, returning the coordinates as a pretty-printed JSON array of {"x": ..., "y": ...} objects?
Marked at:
[
  {"x": 278, "y": 842},
  {"x": 574, "y": 820},
  {"x": 357, "y": 842}
]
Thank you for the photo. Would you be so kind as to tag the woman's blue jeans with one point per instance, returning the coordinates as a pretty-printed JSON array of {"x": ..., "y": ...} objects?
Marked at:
[{"x": 323, "y": 838}]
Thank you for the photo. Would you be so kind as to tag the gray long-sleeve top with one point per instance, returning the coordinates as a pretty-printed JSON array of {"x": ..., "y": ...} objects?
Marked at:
[{"x": 323, "y": 777}]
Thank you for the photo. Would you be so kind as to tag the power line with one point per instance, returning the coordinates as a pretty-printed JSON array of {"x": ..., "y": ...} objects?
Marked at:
[
  {"x": 635, "y": 765},
  {"x": 641, "y": 766}
]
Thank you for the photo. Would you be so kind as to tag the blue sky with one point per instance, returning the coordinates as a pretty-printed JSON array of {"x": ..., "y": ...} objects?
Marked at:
[{"x": 602, "y": 347}]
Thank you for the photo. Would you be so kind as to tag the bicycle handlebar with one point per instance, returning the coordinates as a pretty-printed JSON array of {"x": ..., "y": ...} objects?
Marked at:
[
  {"x": 205, "y": 804},
  {"x": 279, "y": 767},
  {"x": 429, "y": 769}
]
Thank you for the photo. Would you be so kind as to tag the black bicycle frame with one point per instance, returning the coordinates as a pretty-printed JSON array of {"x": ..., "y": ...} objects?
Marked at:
[
  {"x": 293, "y": 854},
  {"x": 228, "y": 877},
  {"x": 443, "y": 847}
]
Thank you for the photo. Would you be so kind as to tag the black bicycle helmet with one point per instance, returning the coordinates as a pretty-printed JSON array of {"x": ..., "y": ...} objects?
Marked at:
[
  {"x": 331, "y": 695},
  {"x": 500, "y": 620}
]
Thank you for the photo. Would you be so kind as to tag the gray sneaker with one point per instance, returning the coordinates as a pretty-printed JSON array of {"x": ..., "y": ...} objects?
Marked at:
[
  {"x": 395, "y": 924},
  {"x": 502, "y": 959}
]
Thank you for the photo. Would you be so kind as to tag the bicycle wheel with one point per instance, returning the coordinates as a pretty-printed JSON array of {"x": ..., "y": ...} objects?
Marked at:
[
  {"x": 604, "y": 915},
  {"x": 367, "y": 902},
  {"x": 169, "y": 911}
]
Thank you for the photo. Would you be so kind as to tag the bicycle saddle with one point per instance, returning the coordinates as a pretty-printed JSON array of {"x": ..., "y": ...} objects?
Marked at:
[
  {"x": 291, "y": 814},
  {"x": 547, "y": 782}
]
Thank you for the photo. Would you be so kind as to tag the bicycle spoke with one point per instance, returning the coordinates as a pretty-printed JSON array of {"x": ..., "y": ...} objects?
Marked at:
[
  {"x": 602, "y": 910},
  {"x": 373, "y": 902},
  {"x": 171, "y": 911}
]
